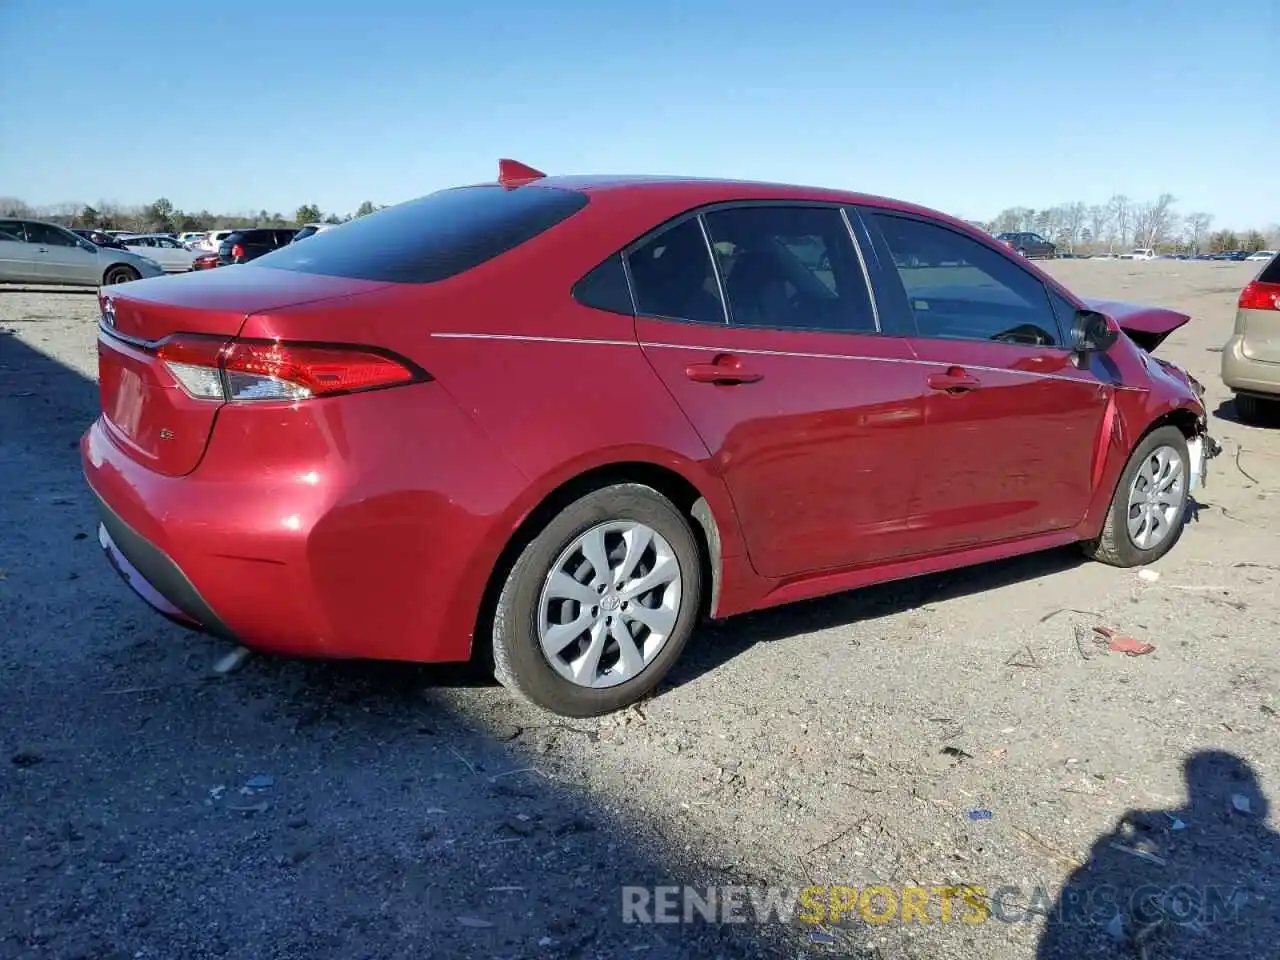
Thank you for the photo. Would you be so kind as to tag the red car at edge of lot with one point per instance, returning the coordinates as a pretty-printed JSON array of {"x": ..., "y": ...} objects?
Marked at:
[{"x": 561, "y": 419}]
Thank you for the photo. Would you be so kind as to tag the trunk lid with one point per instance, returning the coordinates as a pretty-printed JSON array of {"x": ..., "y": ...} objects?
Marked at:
[
  {"x": 1145, "y": 325},
  {"x": 146, "y": 410}
]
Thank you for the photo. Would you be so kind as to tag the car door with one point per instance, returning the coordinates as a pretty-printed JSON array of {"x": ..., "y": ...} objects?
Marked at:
[
  {"x": 772, "y": 349},
  {"x": 62, "y": 257},
  {"x": 18, "y": 259},
  {"x": 1011, "y": 423}
]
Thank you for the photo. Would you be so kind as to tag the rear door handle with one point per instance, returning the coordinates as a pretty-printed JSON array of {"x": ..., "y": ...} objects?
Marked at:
[
  {"x": 955, "y": 380},
  {"x": 724, "y": 369}
]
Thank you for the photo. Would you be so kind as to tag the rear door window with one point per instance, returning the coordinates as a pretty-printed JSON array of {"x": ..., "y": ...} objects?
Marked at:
[
  {"x": 432, "y": 238},
  {"x": 790, "y": 268},
  {"x": 606, "y": 288},
  {"x": 673, "y": 278}
]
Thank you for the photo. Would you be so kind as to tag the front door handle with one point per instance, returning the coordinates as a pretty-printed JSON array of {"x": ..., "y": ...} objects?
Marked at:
[
  {"x": 724, "y": 369},
  {"x": 955, "y": 380}
]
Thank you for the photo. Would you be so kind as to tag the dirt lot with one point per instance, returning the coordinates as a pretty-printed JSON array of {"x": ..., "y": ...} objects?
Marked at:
[{"x": 405, "y": 812}]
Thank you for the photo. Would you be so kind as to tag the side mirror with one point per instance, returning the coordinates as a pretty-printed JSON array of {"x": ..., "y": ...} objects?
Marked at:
[{"x": 1091, "y": 332}]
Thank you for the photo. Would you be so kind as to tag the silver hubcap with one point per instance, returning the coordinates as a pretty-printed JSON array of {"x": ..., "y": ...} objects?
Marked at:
[
  {"x": 609, "y": 604},
  {"x": 1155, "y": 499}
]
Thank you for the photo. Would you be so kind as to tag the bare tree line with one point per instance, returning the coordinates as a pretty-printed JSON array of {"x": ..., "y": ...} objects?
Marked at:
[
  {"x": 1114, "y": 226},
  {"x": 162, "y": 216},
  {"x": 1122, "y": 223}
]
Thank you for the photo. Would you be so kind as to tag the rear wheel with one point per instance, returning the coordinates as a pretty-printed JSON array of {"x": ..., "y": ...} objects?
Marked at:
[
  {"x": 1148, "y": 510},
  {"x": 1253, "y": 409},
  {"x": 600, "y": 604},
  {"x": 119, "y": 274}
]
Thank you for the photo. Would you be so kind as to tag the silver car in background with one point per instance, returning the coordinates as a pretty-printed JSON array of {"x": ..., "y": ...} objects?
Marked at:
[
  {"x": 164, "y": 250},
  {"x": 32, "y": 251}
]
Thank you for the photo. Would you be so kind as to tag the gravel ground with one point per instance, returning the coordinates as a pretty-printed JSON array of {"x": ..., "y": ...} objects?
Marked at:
[{"x": 151, "y": 810}]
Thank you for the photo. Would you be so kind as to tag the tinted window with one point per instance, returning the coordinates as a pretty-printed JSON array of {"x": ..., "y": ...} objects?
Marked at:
[
  {"x": 1270, "y": 273},
  {"x": 673, "y": 277},
  {"x": 304, "y": 233},
  {"x": 962, "y": 289},
  {"x": 1063, "y": 309},
  {"x": 605, "y": 288},
  {"x": 13, "y": 228},
  {"x": 790, "y": 267},
  {"x": 432, "y": 238},
  {"x": 50, "y": 235}
]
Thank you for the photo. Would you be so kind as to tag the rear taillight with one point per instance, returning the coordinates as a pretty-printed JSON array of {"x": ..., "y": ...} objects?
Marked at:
[
  {"x": 215, "y": 368},
  {"x": 237, "y": 251},
  {"x": 1260, "y": 296}
]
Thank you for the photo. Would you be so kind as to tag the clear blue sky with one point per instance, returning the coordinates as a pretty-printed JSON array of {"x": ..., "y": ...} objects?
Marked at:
[{"x": 965, "y": 105}]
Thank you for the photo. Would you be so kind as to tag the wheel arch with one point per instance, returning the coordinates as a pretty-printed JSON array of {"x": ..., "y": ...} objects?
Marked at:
[
  {"x": 708, "y": 510},
  {"x": 1185, "y": 419},
  {"x": 1125, "y": 439}
]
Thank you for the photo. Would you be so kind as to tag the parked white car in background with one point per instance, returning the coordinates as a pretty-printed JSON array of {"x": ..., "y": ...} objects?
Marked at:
[
  {"x": 164, "y": 250},
  {"x": 212, "y": 240},
  {"x": 191, "y": 239},
  {"x": 1262, "y": 256},
  {"x": 1139, "y": 253}
]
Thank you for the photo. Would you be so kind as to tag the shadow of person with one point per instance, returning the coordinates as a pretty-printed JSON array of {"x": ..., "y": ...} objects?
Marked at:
[{"x": 1198, "y": 882}]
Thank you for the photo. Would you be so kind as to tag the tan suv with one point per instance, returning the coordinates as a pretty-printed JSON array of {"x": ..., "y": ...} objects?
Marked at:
[{"x": 1251, "y": 358}]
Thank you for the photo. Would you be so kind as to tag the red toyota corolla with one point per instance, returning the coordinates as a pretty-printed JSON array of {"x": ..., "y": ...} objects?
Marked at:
[{"x": 563, "y": 418}]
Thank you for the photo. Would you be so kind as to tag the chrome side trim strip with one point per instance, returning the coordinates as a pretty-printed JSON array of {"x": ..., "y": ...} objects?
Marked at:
[{"x": 754, "y": 352}]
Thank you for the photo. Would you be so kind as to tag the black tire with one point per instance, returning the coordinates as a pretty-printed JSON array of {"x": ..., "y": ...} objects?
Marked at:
[
  {"x": 119, "y": 273},
  {"x": 1114, "y": 546},
  {"x": 1251, "y": 409},
  {"x": 518, "y": 660}
]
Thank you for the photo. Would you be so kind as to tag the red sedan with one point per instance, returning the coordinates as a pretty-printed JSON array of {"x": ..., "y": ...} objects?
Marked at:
[{"x": 562, "y": 418}]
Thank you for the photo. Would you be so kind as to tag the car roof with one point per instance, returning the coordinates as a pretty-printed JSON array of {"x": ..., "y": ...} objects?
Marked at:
[{"x": 675, "y": 193}]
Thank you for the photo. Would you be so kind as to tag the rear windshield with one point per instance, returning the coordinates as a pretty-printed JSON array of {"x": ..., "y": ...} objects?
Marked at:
[
  {"x": 432, "y": 238},
  {"x": 1271, "y": 272}
]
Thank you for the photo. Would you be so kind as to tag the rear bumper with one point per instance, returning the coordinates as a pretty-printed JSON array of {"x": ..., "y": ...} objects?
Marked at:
[
  {"x": 154, "y": 577},
  {"x": 1244, "y": 374},
  {"x": 315, "y": 531}
]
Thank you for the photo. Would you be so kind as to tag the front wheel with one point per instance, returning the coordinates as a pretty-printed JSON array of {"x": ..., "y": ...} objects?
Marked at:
[
  {"x": 599, "y": 605},
  {"x": 1149, "y": 508},
  {"x": 119, "y": 274}
]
